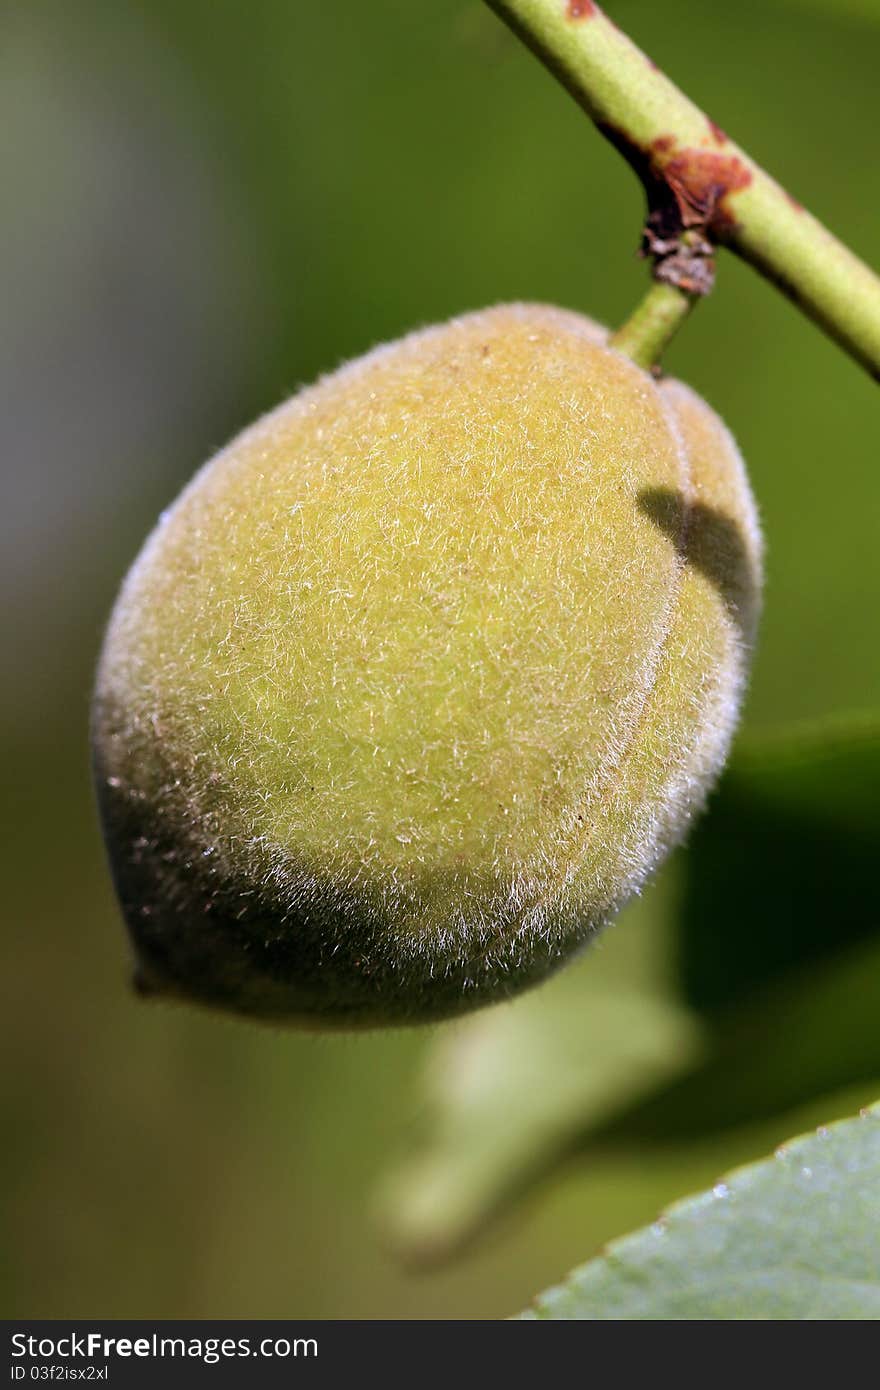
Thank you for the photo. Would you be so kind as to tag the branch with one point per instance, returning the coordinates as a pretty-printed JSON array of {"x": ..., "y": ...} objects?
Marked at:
[{"x": 702, "y": 188}]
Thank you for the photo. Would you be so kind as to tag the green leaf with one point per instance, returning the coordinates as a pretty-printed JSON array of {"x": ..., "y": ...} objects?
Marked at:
[
  {"x": 509, "y": 1090},
  {"x": 780, "y": 872},
  {"x": 794, "y": 1237}
]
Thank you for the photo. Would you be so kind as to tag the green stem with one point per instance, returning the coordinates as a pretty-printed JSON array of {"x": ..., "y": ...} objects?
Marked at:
[
  {"x": 707, "y": 181},
  {"x": 647, "y": 331}
]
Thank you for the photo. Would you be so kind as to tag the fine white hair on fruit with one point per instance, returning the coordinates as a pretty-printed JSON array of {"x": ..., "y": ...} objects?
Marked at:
[{"x": 423, "y": 674}]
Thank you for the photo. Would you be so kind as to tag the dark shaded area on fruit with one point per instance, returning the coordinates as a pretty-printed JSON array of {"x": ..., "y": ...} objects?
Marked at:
[
  {"x": 713, "y": 543},
  {"x": 326, "y": 960}
]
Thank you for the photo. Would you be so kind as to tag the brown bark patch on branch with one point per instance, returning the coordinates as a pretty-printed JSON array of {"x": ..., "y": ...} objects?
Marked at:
[
  {"x": 689, "y": 189},
  {"x": 701, "y": 183}
]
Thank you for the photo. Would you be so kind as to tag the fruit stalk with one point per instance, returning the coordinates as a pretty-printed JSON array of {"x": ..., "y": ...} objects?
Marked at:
[
  {"x": 703, "y": 190},
  {"x": 653, "y": 323}
]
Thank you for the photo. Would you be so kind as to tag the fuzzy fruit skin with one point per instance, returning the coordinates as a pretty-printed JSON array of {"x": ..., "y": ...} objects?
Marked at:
[{"x": 423, "y": 674}]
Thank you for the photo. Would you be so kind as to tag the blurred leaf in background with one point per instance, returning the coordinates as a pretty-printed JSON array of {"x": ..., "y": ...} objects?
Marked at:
[
  {"x": 782, "y": 873},
  {"x": 507, "y": 1090},
  {"x": 207, "y": 206}
]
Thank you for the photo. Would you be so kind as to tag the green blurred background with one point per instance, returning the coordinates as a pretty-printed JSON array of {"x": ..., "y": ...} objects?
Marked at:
[{"x": 206, "y": 204}]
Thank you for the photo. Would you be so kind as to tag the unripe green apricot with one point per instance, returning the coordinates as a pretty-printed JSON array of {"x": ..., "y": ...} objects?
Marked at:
[{"x": 423, "y": 674}]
